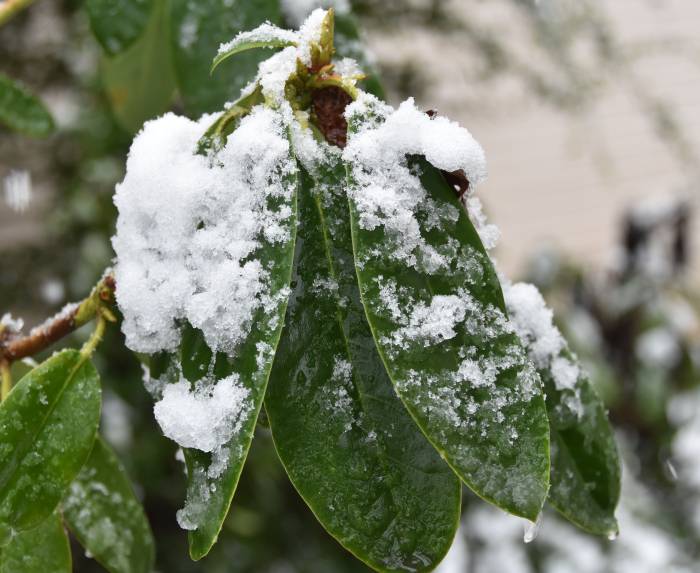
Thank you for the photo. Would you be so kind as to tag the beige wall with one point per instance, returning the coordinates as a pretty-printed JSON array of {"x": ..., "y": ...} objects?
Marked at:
[{"x": 563, "y": 180}]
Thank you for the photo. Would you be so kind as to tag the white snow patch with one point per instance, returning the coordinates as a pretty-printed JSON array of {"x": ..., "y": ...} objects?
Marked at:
[
  {"x": 533, "y": 322},
  {"x": 189, "y": 227},
  {"x": 206, "y": 417}
]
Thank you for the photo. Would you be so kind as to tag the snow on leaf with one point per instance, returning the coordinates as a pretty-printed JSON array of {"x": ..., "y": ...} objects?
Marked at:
[{"x": 435, "y": 305}]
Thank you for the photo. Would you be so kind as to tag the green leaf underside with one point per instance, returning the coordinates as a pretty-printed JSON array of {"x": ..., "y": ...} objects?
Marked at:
[
  {"x": 346, "y": 441},
  {"x": 245, "y": 46},
  {"x": 48, "y": 425},
  {"x": 139, "y": 81},
  {"x": 197, "y": 30},
  {"x": 43, "y": 549},
  {"x": 495, "y": 438},
  {"x": 585, "y": 472},
  {"x": 104, "y": 515},
  {"x": 210, "y": 497},
  {"x": 118, "y": 23},
  {"x": 22, "y": 111}
]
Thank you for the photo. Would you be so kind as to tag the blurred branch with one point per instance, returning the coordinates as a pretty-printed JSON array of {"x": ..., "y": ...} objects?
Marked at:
[
  {"x": 14, "y": 346},
  {"x": 10, "y": 8}
]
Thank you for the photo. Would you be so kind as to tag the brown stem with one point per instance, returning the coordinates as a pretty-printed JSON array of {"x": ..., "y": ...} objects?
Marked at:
[{"x": 15, "y": 347}]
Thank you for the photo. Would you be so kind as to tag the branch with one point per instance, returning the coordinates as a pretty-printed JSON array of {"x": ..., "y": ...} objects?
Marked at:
[{"x": 15, "y": 347}]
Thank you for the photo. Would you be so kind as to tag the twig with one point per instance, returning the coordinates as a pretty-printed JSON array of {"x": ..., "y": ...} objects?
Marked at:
[{"x": 72, "y": 317}]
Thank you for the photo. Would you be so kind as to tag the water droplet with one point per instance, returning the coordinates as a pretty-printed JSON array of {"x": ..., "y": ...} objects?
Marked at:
[
  {"x": 612, "y": 535},
  {"x": 531, "y": 529}
]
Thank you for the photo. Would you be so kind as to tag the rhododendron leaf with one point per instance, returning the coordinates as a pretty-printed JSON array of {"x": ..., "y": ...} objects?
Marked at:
[
  {"x": 117, "y": 24},
  {"x": 198, "y": 29},
  {"x": 42, "y": 549},
  {"x": 454, "y": 359},
  {"x": 348, "y": 444},
  {"x": 585, "y": 472},
  {"x": 139, "y": 81},
  {"x": 48, "y": 424},
  {"x": 22, "y": 111},
  {"x": 105, "y": 516}
]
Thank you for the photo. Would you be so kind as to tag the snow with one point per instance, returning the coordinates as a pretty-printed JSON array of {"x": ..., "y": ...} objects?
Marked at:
[
  {"x": 274, "y": 72},
  {"x": 10, "y": 324},
  {"x": 206, "y": 417},
  {"x": 533, "y": 321},
  {"x": 266, "y": 33},
  {"x": 189, "y": 228},
  {"x": 488, "y": 232},
  {"x": 386, "y": 192}
]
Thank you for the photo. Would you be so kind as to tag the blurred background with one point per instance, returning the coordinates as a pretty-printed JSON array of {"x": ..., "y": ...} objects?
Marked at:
[{"x": 589, "y": 113}]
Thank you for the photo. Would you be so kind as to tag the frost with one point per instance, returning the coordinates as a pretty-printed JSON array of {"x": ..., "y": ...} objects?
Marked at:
[
  {"x": 189, "y": 229},
  {"x": 206, "y": 417}
]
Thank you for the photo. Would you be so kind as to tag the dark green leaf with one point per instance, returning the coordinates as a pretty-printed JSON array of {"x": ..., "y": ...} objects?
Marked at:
[
  {"x": 118, "y": 23},
  {"x": 585, "y": 473},
  {"x": 105, "y": 516},
  {"x": 139, "y": 81},
  {"x": 48, "y": 424},
  {"x": 212, "y": 479},
  {"x": 345, "y": 439},
  {"x": 21, "y": 111},
  {"x": 472, "y": 388},
  {"x": 198, "y": 29},
  {"x": 43, "y": 549}
]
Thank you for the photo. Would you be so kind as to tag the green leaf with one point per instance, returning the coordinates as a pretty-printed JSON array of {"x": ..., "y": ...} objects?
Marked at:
[
  {"x": 48, "y": 424},
  {"x": 212, "y": 479},
  {"x": 585, "y": 472},
  {"x": 43, "y": 549},
  {"x": 22, "y": 111},
  {"x": 139, "y": 81},
  {"x": 105, "y": 516},
  {"x": 467, "y": 382},
  {"x": 244, "y": 46},
  {"x": 198, "y": 30},
  {"x": 215, "y": 136},
  {"x": 118, "y": 23},
  {"x": 345, "y": 439}
]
